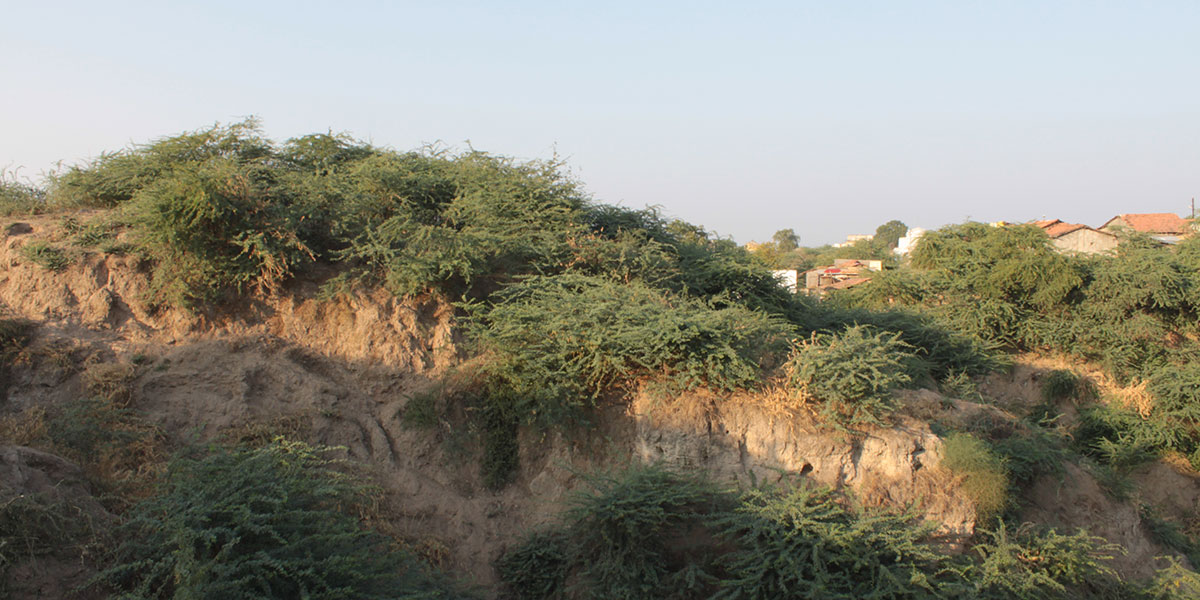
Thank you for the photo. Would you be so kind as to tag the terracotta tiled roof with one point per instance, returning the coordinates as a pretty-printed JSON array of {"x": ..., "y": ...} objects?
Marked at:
[
  {"x": 1168, "y": 223},
  {"x": 1046, "y": 223},
  {"x": 1060, "y": 229}
]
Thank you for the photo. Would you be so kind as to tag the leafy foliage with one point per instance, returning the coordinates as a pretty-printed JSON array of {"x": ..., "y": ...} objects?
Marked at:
[
  {"x": 786, "y": 240},
  {"x": 1173, "y": 582},
  {"x": 982, "y": 474},
  {"x": 804, "y": 543},
  {"x": 1059, "y": 385},
  {"x": 626, "y": 529},
  {"x": 1027, "y": 565},
  {"x": 1134, "y": 312},
  {"x": 630, "y": 539},
  {"x": 936, "y": 351},
  {"x": 558, "y": 341},
  {"x": 19, "y": 197},
  {"x": 114, "y": 178},
  {"x": 888, "y": 235},
  {"x": 651, "y": 533},
  {"x": 45, "y": 255},
  {"x": 1029, "y": 454},
  {"x": 424, "y": 220},
  {"x": 1170, "y": 533},
  {"x": 537, "y": 569},
  {"x": 276, "y": 527},
  {"x": 852, "y": 373},
  {"x": 215, "y": 226}
]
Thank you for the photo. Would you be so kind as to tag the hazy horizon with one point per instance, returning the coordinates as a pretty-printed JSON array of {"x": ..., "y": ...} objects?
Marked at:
[{"x": 828, "y": 120}]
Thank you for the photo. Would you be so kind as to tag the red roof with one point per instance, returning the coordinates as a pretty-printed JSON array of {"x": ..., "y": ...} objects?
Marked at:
[
  {"x": 1167, "y": 223},
  {"x": 1058, "y": 230},
  {"x": 1046, "y": 223}
]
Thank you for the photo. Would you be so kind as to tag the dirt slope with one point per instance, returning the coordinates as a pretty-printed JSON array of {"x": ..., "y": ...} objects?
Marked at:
[{"x": 341, "y": 372}]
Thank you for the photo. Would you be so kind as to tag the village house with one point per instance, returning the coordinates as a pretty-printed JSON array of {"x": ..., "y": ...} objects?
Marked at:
[
  {"x": 855, "y": 238},
  {"x": 843, "y": 273},
  {"x": 905, "y": 244},
  {"x": 1164, "y": 227},
  {"x": 1074, "y": 238}
]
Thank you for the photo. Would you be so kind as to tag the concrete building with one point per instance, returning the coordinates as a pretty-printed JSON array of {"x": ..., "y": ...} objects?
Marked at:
[
  {"x": 909, "y": 241},
  {"x": 789, "y": 279},
  {"x": 843, "y": 273},
  {"x": 1073, "y": 238},
  {"x": 854, "y": 238}
]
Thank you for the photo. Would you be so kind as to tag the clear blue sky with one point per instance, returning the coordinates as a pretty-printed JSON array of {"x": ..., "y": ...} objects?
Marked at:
[{"x": 826, "y": 117}]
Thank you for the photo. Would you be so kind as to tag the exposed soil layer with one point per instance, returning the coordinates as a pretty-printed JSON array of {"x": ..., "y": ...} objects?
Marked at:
[{"x": 342, "y": 372}]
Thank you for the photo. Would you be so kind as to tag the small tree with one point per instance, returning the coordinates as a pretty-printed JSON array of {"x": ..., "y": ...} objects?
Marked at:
[
  {"x": 786, "y": 240},
  {"x": 888, "y": 235}
]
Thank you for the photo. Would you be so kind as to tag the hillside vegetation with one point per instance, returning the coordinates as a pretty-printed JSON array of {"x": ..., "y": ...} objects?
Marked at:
[
  {"x": 1134, "y": 314},
  {"x": 568, "y": 305}
]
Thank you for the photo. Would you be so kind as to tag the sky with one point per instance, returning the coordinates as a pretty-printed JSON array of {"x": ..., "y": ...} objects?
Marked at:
[{"x": 829, "y": 118}]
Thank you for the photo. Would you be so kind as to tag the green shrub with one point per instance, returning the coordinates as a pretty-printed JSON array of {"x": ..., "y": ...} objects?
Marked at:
[
  {"x": 94, "y": 233},
  {"x": 1031, "y": 454},
  {"x": 983, "y": 477},
  {"x": 557, "y": 343},
  {"x": 115, "y": 177},
  {"x": 1060, "y": 385},
  {"x": 1124, "y": 439},
  {"x": 46, "y": 256},
  {"x": 638, "y": 534},
  {"x": 215, "y": 227},
  {"x": 19, "y": 198},
  {"x": 537, "y": 569},
  {"x": 419, "y": 222},
  {"x": 650, "y": 533},
  {"x": 722, "y": 270},
  {"x": 1028, "y": 565},
  {"x": 804, "y": 543},
  {"x": 274, "y": 527},
  {"x": 625, "y": 529},
  {"x": 1173, "y": 582},
  {"x": 421, "y": 409},
  {"x": 1176, "y": 391},
  {"x": 852, "y": 373},
  {"x": 92, "y": 427},
  {"x": 501, "y": 447},
  {"x": 1169, "y": 533},
  {"x": 962, "y": 386},
  {"x": 937, "y": 351}
]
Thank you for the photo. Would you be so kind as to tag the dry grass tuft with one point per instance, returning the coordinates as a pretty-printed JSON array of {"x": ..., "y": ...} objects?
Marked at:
[
  {"x": 26, "y": 428},
  {"x": 296, "y": 426},
  {"x": 111, "y": 382},
  {"x": 1134, "y": 397}
]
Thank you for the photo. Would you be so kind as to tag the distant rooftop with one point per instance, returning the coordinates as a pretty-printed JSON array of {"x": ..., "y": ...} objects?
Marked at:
[
  {"x": 1056, "y": 228},
  {"x": 1161, "y": 223}
]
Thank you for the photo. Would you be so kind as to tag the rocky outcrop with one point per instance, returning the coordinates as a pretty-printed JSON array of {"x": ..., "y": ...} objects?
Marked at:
[
  {"x": 742, "y": 441},
  {"x": 110, "y": 292}
]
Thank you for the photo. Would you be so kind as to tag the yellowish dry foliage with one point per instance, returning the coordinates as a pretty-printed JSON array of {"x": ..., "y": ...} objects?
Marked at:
[
  {"x": 25, "y": 428},
  {"x": 111, "y": 382}
]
